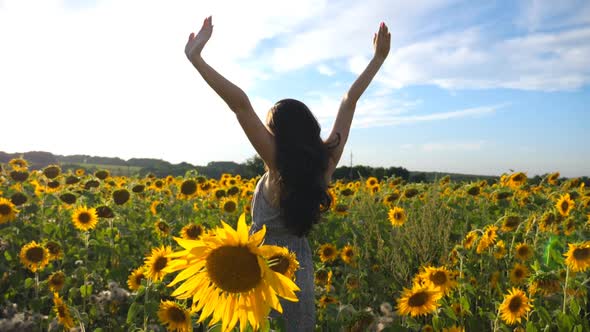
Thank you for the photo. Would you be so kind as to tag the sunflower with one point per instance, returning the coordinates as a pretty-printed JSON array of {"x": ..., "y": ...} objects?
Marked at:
[
  {"x": 371, "y": 182},
  {"x": 51, "y": 171},
  {"x": 34, "y": 256},
  {"x": 348, "y": 254},
  {"x": 510, "y": 223},
  {"x": 192, "y": 231},
  {"x": 439, "y": 277},
  {"x": 162, "y": 228},
  {"x": 327, "y": 299},
  {"x": 56, "y": 281},
  {"x": 488, "y": 238},
  {"x": 188, "y": 188},
  {"x": 175, "y": 316},
  {"x": 352, "y": 282},
  {"x": 281, "y": 260},
  {"x": 121, "y": 196},
  {"x": 7, "y": 210},
  {"x": 228, "y": 278},
  {"x": 552, "y": 178},
  {"x": 80, "y": 171},
  {"x": 523, "y": 251},
  {"x": 420, "y": 300},
  {"x": 397, "y": 216},
  {"x": 500, "y": 249},
  {"x": 515, "y": 306},
  {"x": 544, "y": 284},
  {"x": 18, "y": 164},
  {"x": 518, "y": 273},
  {"x": 564, "y": 205},
  {"x": 328, "y": 252},
  {"x": 62, "y": 312},
  {"x": 453, "y": 328},
  {"x": 85, "y": 218},
  {"x": 578, "y": 256},
  {"x": 340, "y": 209},
  {"x": 156, "y": 263},
  {"x": 470, "y": 239},
  {"x": 54, "y": 249},
  {"x": 135, "y": 278},
  {"x": 155, "y": 207},
  {"x": 516, "y": 180},
  {"x": 323, "y": 277},
  {"x": 228, "y": 205}
]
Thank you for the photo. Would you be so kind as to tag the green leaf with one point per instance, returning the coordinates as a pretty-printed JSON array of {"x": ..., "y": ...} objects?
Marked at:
[
  {"x": 29, "y": 282},
  {"x": 7, "y": 255},
  {"x": 564, "y": 322},
  {"x": 530, "y": 327},
  {"x": 575, "y": 308},
  {"x": 134, "y": 310},
  {"x": 86, "y": 290}
]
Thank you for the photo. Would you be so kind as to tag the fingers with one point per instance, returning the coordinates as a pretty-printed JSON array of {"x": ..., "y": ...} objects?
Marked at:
[{"x": 191, "y": 36}]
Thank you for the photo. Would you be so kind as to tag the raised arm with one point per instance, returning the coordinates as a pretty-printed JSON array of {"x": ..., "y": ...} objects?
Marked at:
[
  {"x": 234, "y": 97},
  {"x": 381, "y": 43}
]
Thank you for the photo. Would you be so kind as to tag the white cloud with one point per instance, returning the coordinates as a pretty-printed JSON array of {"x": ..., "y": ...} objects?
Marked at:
[{"x": 325, "y": 70}]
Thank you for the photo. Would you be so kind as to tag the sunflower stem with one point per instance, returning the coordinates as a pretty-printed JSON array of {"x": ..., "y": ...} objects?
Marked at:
[
  {"x": 567, "y": 274},
  {"x": 145, "y": 316}
]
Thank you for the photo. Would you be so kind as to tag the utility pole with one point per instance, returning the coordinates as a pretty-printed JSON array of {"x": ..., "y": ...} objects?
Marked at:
[{"x": 350, "y": 171}]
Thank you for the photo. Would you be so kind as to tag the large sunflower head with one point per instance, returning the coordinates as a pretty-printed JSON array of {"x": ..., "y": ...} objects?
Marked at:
[
  {"x": 121, "y": 196},
  {"x": 188, "y": 188},
  {"x": 516, "y": 180},
  {"x": 578, "y": 256},
  {"x": 34, "y": 256},
  {"x": 7, "y": 210},
  {"x": 419, "y": 300},
  {"x": 328, "y": 252},
  {"x": 85, "y": 218},
  {"x": 397, "y": 216},
  {"x": 176, "y": 317},
  {"x": 156, "y": 262},
  {"x": 470, "y": 239},
  {"x": 18, "y": 164},
  {"x": 564, "y": 205},
  {"x": 51, "y": 171},
  {"x": 515, "y": 306},
  {"x": 510, "y": 223},
  {"x": 228, "y": 277}
]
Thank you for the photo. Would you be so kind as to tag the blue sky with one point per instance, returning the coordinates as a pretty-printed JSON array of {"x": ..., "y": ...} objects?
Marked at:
[{"x": 470, "y": 87}]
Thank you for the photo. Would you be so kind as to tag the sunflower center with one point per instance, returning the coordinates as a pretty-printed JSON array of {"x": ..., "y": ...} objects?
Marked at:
[
  {"x": 328, "y": 252},
  {"x": 160, "y": 263},
  {"x": 139, "y": 278},
  {"x": 5, "y": 209},
  {"x": 234, "y": 269},
  {"x": 515, "y": 304},
  {"x": 439, "y": 278},
  {"x": 176, "y": 315},
  {"x": 518, "y": 273},
  {"x": 564, "y": 205},
  {"x": 418, "y": 299},
  {"x": 84, "y": 218},
  {"x": 61, "y": 311},
  {"x": 349, "y": 253},
  {"x": 194, "y": 231},
  {"x": 57, "y": 280},
  {"x": 229, "y": 206},
  {"x": 188, "y": 187},
  {"x": 35, "y": 254},
  {"x": 282, "y": 264},
  {"x": 581, "y": 254},
  {"x": 397, "y": 216},
  {"x": 523, "y": 251}
]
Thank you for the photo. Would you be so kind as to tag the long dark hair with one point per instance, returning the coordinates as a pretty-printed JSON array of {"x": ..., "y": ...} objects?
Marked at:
[{"x": 301, "y": 160}]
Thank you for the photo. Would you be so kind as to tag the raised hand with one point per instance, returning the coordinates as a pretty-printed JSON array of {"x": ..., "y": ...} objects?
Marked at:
[
  {"x": 382, "y": 41},
  {"x": 195, "y": 43}
]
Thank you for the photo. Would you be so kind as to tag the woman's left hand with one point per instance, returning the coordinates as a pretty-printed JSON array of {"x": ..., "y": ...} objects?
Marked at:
[{"x": 195, "y": 43}]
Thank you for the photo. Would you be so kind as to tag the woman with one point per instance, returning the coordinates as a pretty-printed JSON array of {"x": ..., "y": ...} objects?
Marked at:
[{"x": 299, "y": 165}]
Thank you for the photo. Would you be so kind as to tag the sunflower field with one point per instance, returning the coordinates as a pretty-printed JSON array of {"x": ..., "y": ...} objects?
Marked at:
[{"x": 98, "y": 252}]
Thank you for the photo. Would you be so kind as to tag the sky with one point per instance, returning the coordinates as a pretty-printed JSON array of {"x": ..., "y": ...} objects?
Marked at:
[{"x": 477, "y": 87}]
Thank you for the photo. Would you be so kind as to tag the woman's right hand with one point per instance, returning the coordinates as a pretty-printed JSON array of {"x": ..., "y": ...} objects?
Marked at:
[
  {"x": 195, "y": 43},
  {"x": 381, "y": 42}
]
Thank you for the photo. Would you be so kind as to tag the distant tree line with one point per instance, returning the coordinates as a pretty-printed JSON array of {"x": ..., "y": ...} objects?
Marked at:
[{"x": 252, "y": 167}]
